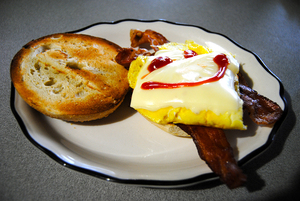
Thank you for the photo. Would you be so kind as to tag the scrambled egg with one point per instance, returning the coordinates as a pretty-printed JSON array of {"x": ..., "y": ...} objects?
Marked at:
[{"x": 215, "y": 104}]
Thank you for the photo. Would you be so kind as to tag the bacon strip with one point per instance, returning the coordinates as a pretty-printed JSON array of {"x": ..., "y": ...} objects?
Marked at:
[
  {"x": 214, "y": 149},
  {"x": 127, "y": 55},
  {"x": 262, "y": 110},
  {"x": 212, "y": 144},
  {"x": 138, "y": 38}
]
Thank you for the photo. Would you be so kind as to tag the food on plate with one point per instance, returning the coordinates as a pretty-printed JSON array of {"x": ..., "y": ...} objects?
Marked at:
[
  {"x": 188, "y": 84},
  {"x": 137, "y": 37},
  {"x": 262, "y": 110},
  {"x": 192, "y": 90},
  {"x": 214, "y": 149},
  {"x": 68, "y": 76},
  {"x": 198, "y": 89},
  {"x": 154, "y": 38},
  {"x": 127, "y": 55}
]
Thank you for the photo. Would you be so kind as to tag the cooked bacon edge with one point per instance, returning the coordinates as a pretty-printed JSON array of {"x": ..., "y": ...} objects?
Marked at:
[
  {"x": 154, "y": 38},
  {"x": 127, "y": 55},
  {"x": 137, "y": 38},
  {"x": 262, "y": 110},
  {"x": 215, "y": 150}
]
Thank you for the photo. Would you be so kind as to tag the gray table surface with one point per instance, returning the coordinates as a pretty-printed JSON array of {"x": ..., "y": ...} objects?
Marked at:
[{"x": 270, "y": 28}]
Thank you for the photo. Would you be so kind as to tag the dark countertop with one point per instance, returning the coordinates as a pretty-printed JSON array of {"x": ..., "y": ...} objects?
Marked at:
[{"x": 271, "y": 29}]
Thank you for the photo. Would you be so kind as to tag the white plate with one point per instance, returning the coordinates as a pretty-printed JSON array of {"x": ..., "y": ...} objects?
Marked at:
[{"x": 125, "y": 147}]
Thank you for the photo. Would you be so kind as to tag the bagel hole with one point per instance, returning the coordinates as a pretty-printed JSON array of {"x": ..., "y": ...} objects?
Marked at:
[
  {"x": 79, "y": 94},
  {"x": 50, "y": 82},
  {"x": 32, "y": 71},
  {"x": 58, "y": 89},
  {"x": 79, "y": 84},
  {"x": 42, "y": 49},
  {"x": 37, "y": 66},
  {"x": 74, "y": 65}
]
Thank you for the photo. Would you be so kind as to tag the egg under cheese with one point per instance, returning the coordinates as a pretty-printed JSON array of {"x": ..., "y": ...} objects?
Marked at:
[{"x": 213, "y": 104}]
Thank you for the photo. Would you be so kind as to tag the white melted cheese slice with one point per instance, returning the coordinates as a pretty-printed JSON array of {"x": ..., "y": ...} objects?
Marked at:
[{"x": 219, "y": 96}]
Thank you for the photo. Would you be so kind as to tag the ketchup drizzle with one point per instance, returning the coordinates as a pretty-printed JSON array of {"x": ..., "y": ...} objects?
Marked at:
[
  {"x": 159, "y": 62},
  {"x": 189, "y": 53},
  {"x": 221, "y": 60}
]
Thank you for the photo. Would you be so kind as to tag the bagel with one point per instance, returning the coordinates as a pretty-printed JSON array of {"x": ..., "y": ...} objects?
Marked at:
[{"x": 68, "y": 76}]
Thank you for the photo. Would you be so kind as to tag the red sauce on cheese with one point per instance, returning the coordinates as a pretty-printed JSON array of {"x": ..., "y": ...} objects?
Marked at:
[
  {"x": 159, "y": 62},
  {"x": 221, "y": 60},
  {"x": 189, "y": 53}
]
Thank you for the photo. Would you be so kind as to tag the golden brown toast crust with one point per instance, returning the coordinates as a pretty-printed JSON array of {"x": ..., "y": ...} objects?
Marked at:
[{"x": 69, "y": 76}]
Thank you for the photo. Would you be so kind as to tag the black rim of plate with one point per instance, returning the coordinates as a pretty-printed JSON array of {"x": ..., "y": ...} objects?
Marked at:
[{"x": 158, "y": 183}]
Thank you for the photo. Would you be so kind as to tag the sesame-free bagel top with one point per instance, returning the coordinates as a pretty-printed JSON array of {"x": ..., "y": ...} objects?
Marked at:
[{"x": 68, "y": 76}]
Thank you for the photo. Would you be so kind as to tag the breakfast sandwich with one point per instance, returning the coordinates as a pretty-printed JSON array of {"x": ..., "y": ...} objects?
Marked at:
[{"x": 192, "y": 90}]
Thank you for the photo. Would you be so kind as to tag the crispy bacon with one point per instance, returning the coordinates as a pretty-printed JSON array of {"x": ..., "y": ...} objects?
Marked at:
[
  {"x": 138, "y": 38},
  {"x": 262, "y": 110},
  {"x": 212, "y": 144},
  {"x": 127, "y": 55},
  {"x": 215, "y": 150}
]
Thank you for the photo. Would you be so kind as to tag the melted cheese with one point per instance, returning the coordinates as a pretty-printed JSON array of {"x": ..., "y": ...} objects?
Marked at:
[{"x": 214, "y": 104}]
